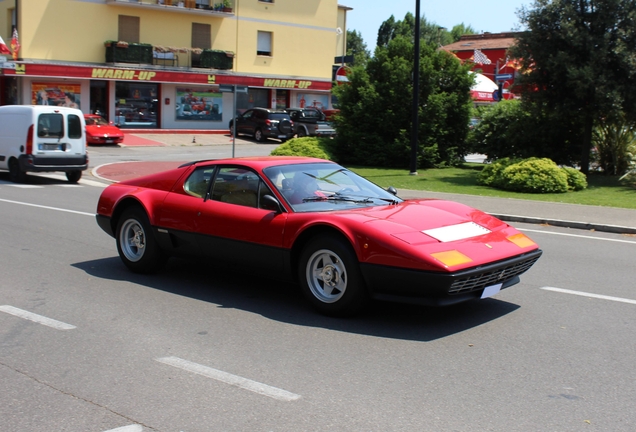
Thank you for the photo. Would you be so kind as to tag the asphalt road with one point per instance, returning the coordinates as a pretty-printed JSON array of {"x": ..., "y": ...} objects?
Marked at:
[{"x": 86, "y": 345}]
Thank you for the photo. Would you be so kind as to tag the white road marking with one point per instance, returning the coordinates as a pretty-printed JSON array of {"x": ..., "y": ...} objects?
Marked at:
[
  {"x": 579, "y": 236},
  {"x": 130, "y": 428},
  {"x": 23, "y": 186},
  {"x": 47, "y": 207},
  {"x": 585, "y": 294},
  {"x": 227, "y": 378},
  {"x": 59, "y": 325}
]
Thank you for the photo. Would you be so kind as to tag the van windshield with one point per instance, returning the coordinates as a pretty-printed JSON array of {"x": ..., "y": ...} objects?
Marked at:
[{"x": 51, "y": 125}]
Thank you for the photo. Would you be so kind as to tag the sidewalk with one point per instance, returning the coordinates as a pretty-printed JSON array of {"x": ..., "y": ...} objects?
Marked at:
[{"x": 606, "y": 219}]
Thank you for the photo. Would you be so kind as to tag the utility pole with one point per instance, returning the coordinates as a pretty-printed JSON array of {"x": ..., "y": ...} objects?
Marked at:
[{"x": 416, "y": 90}]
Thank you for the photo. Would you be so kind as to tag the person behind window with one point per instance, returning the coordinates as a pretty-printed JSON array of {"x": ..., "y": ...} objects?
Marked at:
[{"x": 304, "y": 185}]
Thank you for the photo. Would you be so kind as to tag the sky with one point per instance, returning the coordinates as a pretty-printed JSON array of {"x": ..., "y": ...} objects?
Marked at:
[{"x": 494, "y": 16}]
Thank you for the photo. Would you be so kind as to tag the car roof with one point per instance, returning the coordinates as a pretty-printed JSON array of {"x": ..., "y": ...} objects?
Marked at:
[{"x": 262, "y": 162}]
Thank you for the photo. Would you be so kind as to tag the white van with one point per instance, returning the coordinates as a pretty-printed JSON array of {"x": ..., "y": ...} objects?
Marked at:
[{"x": 40, "y": 138}]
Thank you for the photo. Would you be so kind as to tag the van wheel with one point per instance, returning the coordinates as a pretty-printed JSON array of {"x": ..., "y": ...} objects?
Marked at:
[
  {"x": 16, "y": 175},
  {"x": 73, "y": 176}
]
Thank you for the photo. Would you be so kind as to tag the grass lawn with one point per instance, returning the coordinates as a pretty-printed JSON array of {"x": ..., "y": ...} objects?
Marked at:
[{"x": 602, "y": 190}]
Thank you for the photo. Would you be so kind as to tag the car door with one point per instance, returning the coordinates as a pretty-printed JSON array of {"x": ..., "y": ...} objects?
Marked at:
[
  {"x": 176, "y": 222},
  {"x": 244, "y": 123},
  {"x": 233, "y": 225}
]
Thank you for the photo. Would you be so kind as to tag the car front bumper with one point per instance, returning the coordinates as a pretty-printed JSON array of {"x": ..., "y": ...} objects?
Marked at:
[{"x": 444, "y": 289}]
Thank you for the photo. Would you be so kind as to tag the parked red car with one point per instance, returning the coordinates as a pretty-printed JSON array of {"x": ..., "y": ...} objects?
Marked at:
[
  {"x": 99, "y": 131},
  {"x": 343, "y": 238}
]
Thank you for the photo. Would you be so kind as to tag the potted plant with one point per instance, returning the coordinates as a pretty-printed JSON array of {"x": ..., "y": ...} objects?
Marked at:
[{"x": 227, "y": 6}]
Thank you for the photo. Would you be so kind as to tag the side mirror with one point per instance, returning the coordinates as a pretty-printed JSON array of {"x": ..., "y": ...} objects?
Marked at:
[
  {"x": 268, "y": 202},
  {"x": 392, "y": 190}
]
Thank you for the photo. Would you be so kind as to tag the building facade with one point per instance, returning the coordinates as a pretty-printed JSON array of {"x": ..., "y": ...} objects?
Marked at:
[{"x": 171, "y": 64}]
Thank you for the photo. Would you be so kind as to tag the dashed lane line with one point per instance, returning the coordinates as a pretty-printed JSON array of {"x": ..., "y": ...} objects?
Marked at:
[
  {"x": 47, "y": 207},
  {"x": 59, "y": 325},
  {"x": 590, "y": 295},
  {"x": 129, "y": 428},
  {"x": 235, "y": 380}
]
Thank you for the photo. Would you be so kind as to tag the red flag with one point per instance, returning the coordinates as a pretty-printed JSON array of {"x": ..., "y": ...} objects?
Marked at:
[
  {"x": 15, "y": 44},
  {"x": 4, "y": 49}
]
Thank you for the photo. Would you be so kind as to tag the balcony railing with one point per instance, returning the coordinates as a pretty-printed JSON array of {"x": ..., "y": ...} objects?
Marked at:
[
  {"x": 180, "y": 58},
  {"x": 117, "y": 52},
  {"x": 186, "y": 6}
]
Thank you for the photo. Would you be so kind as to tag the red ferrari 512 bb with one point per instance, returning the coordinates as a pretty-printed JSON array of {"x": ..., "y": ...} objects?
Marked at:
[{"x": 341, "y": 237}]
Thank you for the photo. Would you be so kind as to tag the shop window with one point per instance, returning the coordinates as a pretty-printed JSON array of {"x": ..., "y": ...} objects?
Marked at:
[
  {"x": 264, "y": 43},
  {"x": 128, "y": 30}
]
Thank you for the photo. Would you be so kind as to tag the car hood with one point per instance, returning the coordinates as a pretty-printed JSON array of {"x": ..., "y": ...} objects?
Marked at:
[{"x": 420, "y": 215}]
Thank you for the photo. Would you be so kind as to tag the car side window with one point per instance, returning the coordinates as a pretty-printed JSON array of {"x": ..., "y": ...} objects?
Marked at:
[
  {"x": 237, "y": 185},
  {"x": 198, "y": 182}
]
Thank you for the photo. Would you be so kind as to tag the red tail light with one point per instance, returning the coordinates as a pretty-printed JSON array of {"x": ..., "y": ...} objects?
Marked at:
[
  {"x": 29, "y": 141},
  {"x": 268, "y": 122}
]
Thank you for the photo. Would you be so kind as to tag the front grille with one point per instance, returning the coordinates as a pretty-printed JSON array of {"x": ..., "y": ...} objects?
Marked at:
[{"x": 499, "y": 275}]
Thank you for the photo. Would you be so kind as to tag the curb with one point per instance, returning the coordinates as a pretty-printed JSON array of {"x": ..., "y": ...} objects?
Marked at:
[{"x": 567, "y": 224}]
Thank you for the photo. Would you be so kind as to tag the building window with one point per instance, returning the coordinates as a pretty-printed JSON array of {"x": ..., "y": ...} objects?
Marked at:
[
  {"x": 264, "y": 43},
  {"x": 266, "y": 1},
  {"x": 201, "y": 36},
  {"x": 128, "y": 29}
]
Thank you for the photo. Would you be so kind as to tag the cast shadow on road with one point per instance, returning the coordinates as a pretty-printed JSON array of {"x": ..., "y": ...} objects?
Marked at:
[{"x": 283, "y": 302}]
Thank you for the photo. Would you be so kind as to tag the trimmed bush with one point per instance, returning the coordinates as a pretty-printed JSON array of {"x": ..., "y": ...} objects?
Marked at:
[
  {"x": 306, "y": 146},
  {"x": 535, "y": 175},
  {"x": 576, "y": 179},
  {"x": 492, "y": 174}
]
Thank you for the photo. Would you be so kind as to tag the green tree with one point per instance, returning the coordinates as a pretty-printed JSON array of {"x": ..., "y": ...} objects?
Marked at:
[
  {"x": 356, "y": 47},
  {"x": 374, "y": 125},
  {"x": 430, "y": 32},
  {"x": 579, "y": 58}
]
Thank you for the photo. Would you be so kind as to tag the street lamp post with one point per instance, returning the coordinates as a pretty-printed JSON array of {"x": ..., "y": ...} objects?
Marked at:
[{"x": 416, "y": 89}]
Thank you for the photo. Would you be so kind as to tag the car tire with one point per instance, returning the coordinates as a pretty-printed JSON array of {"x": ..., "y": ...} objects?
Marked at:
[
  {"x": 330, "y": 277},
  {"x": 258, "y": 135},
  {"x": 302, "y": 132},
  {"x": 16, "y": 175},
  {"x": 73, "y": 176},
  {"x": 136, "y": 244}
]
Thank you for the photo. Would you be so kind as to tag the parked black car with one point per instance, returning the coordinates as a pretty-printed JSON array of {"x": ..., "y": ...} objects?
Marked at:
[{"x": 263, "y": 123}]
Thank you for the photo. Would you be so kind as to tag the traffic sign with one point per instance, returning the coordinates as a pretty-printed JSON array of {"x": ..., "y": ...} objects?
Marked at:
[
  {"x": 503, "y": 77},
  {"x": 341, "y": 74}
]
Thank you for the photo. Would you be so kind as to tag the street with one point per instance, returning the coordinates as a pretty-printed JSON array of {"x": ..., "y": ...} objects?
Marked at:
[{"x": 87, "y": 345}]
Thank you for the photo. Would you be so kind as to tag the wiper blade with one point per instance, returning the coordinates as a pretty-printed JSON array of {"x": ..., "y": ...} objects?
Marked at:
[{"x": 337, "y": 198}]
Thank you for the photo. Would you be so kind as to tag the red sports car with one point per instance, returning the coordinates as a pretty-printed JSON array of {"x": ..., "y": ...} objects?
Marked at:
[
  {"x": 99, "y": 131},
  {"x": 343, "y": 238}
]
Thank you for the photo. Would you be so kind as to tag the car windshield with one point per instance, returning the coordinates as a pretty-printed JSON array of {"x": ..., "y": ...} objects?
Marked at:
[
  {"x": 326, "y": 186},
  {"x": 96, "y": 121}
]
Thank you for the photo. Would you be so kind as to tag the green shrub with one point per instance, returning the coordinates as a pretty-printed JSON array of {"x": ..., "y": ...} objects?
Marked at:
[
  {"x": 491, "y": 175},
  {"x": 576, "y": 179},
  {"x": 306, "y": 146},
  {"x": 535, "y": 175}
]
